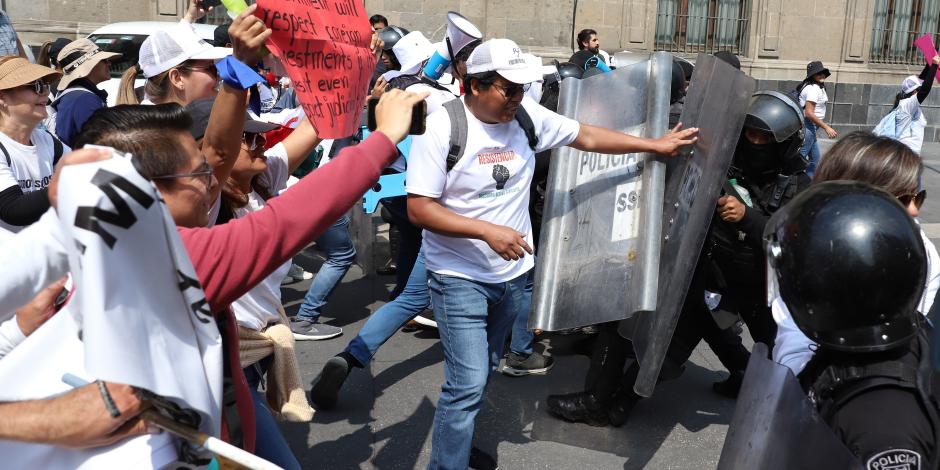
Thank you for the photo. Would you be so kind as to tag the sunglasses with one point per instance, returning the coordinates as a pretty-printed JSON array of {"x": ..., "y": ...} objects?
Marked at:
[
  {"x": 917, "y": 199},
  {"x": 204, "y": 173},
  {"x": 38, "y": 86},
  {"x": 513, "y": 90},
  {"x": 207, "y": 69},
  {"x": 253, "y": 140}
]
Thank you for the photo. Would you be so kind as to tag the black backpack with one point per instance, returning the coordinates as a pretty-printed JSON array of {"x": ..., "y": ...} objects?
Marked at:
[
  {"x": 459, "y": 128},
  {"x": 402, "y": 82}
]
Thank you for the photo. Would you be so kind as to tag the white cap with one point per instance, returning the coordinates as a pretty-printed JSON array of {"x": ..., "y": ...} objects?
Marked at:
[
  {"x": 412, "y": 50},
  {"x": 164, "y": 50},
  {"x": 504, "y": 57},
  {"x": 911, "y": 83}
]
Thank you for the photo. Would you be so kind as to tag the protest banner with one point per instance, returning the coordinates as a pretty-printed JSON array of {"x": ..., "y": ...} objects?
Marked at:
[
  {"x": 324, "y": 45},
  {"x": 926, "y": 46}
]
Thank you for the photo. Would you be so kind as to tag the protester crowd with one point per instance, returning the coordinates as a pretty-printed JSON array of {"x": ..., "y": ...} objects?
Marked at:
[{"x": 231, "y": 155}]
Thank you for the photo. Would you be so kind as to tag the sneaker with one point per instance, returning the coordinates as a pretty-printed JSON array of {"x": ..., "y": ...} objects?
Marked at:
[
  {"x": 325, "y": 391},
  {"x": 518, "y": 365},
  {"x": 309, "y": 330},
  {"x": 299, "y": 273},
  {"x": 426, "y": 318},
  {"x": 480, "y": 460}
]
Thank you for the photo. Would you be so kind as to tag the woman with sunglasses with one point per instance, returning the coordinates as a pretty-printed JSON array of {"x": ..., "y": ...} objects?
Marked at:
[
  {"x": 889, "y": 165},
  {"x": 27, "y": 152}
]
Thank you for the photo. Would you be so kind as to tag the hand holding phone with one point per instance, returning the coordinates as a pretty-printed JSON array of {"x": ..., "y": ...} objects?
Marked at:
[{"x": 393, "y": 100}]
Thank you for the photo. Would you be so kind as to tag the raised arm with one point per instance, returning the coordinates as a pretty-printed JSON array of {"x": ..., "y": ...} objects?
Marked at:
[
  {"x": 300, "y": 143},
  {"x": 602, "y": 140}
]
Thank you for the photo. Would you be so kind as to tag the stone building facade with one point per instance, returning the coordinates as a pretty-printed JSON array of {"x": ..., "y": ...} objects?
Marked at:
[{"x": 865, "y": 43}]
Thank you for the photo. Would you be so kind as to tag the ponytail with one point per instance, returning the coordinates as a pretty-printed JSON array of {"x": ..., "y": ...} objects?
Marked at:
[
  {"x": 44, "y": 58},
  {"x": 126, "y": 93}
]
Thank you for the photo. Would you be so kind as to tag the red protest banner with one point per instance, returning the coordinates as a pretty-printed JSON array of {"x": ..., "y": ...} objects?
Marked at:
[{"x": 324, "y": 44}]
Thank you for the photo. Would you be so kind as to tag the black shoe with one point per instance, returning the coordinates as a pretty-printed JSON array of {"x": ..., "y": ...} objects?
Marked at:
[
  {"x": 535, "y": 363},
  {"x": 581, "y": 407},
  {"x": 326, "y": 391},
  {"x": 621, "y": 407},
  {"x": 730, "y": 386},
  {"x": 480, "y": 460},
  {"x": 389, "y": 269}
]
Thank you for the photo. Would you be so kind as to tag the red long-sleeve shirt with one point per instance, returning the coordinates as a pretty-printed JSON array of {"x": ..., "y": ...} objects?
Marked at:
[{"x": 232, "y": 258}]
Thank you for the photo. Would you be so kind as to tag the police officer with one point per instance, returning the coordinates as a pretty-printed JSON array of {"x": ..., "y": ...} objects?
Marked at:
[
  {"x": 850, "y": 266},
  {"x": 766, "y": 172}
]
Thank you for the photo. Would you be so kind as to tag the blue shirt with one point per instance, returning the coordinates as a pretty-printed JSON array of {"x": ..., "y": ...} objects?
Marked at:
[{"x": 72, "y": 111}]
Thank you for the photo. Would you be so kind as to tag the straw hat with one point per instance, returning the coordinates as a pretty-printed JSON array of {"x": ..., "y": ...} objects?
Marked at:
[
  {"x": 19, "y": 71},
  {"x": 78, "y": 58}
]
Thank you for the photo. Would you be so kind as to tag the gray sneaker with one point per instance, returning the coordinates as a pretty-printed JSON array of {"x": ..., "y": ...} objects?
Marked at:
[
  {"x": 535, "y": 363},
  {"x": 309, "y": 330}
]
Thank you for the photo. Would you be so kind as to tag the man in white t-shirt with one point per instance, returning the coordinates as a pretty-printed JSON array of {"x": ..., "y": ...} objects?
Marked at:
[
  {"x": 813, "y": 99},
  {"x": 477, "y": 227}
]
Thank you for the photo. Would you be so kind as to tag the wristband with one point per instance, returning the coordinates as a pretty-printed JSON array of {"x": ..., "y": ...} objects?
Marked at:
[{"x": 108, "y": 401}]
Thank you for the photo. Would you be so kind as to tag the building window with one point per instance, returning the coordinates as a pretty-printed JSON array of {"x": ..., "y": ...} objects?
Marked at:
[
  {"x": 691, "y": 26},
  {"x": 896, "y": 23}
]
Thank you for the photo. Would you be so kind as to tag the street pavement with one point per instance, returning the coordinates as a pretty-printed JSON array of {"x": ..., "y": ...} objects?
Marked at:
[{"x": 384, "y": 415}]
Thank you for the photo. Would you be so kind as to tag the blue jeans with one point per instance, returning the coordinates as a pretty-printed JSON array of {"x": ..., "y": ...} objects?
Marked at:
[
  {"x": 340, "y": 255},
  {"x": 810, "y": 148},
  {"x": 473, "y": 319},
  {"x": 269, "y": 442},
  {"x": 410, "y": 242},
  {"x": 522, "y": 337},
  {"x": 393, "y": 315}
]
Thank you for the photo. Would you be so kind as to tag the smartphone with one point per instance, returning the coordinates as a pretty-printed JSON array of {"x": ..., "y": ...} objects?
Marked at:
[
  {"x": 417, "y": 116},
  {"x": 206, "y": 4}
]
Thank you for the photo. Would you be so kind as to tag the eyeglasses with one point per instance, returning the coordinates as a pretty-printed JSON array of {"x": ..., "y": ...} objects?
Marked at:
[
  {"x": 512, "y": 90},
  {"x": 918, "y": 198},
  {"x": 207, "y": 69},
  {"x": 39, "y": 86},
  {"x": 204, "y": 173},
  {"x": 253, "y": 140}
]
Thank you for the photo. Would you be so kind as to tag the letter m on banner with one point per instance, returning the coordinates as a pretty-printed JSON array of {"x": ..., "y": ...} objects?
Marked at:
[{"x": 90, "y": 217}]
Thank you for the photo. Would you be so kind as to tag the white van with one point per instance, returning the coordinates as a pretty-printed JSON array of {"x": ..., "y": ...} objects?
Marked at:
[{"x": 126, "y": 38}]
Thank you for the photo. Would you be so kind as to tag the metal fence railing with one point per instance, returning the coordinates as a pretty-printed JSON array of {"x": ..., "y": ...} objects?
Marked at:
[
  {"x": 692, "y": 26},
  {"x": 895, "y": 25}
]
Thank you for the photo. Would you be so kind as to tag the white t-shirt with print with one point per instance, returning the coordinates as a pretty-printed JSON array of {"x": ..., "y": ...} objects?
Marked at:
[
  {"x": 434, "y": 101},
  {"x": 258, "y": 308},
  {"x": 910, "y": 123},
  {"x": 30, "y": 166},
  {"x": 490, "y": 182},
  {"x": 815, "y": 94}
]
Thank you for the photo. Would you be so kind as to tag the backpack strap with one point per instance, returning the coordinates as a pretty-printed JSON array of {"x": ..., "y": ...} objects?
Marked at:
[
  {"x": 57, "y": 152},
  {"x": 458, "y": 131},
  {"x": 525, "y": 122},
  {"x": 6, "y": 155}
]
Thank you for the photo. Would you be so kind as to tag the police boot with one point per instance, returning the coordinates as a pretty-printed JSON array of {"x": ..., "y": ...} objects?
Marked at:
[
  {"x": 730, "y": 386},
  {"x": 621, "y": 406},
  {"x": 581, "y": 407}
]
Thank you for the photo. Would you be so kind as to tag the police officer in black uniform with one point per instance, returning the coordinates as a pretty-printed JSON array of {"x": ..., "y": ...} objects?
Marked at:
[
  {"x": 767, "y": 171},
  {"x": 850, "y": 266}
]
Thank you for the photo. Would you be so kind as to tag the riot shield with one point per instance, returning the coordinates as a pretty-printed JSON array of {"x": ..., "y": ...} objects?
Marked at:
[
  {"x": 362, "y": 233},
  {"x": 716, "y": 103},
  {"x": 776, "y": 427},
  {"x": 595, "y": 265}
]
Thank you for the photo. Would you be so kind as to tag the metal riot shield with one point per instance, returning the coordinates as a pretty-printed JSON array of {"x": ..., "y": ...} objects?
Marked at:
[
  {"x": 716, "y": 103},
  {"x": 775, "y": 426},
  {"x": 595, "y": 265},
  {"x": 362, "y": 232}
]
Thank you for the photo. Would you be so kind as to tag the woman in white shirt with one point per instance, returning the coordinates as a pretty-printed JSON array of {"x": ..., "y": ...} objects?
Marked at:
[
  {"x": 909, "y": 119},
  {"x": 886, "y": 164},
  {"x": 813, "y": 99},
  {"x": 27, "y": 152}
]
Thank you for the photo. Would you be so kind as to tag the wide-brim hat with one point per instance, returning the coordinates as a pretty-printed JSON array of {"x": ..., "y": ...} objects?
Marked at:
[
  {"x": 19, "y": 71},
  {"x": 815, "y": 67},
  {"x": 78, "y": 58},
  {"x": 412, "y": 50}
]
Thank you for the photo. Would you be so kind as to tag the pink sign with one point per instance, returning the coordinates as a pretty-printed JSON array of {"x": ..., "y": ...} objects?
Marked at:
[{"x": 925, "y": 44}]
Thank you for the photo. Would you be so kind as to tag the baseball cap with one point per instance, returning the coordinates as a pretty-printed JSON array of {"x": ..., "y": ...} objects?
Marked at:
[
  {"x": 78, "y": 58},
  {"x": 504, "y": 57},
  {"x": 201, "y": 109},
  {"x": 911, "y": 83},
  {"x": 164, "y": 50}
]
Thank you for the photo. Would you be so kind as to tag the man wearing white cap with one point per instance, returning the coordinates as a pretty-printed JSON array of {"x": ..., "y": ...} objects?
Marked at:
[
  {"x": 84, "y": 66},
  {"x": 909, "y": 120},
  {"x": 472, "y": 201}
]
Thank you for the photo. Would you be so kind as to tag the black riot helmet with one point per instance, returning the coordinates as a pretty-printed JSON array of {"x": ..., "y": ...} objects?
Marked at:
[
  {"x": 776, "y": 114},
  {"x": 850, "y": 265},
  {"x": 563, "y": 70},
  {"x": 390, "y": 35}
]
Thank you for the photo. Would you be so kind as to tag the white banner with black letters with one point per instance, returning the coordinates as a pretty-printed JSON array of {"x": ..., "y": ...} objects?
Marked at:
[{"x": 142, "y": 314}]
